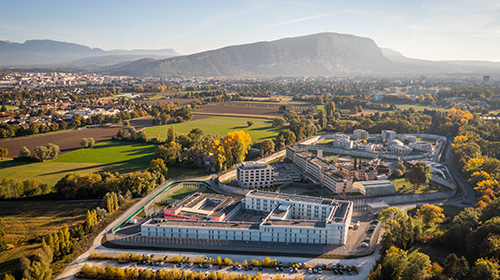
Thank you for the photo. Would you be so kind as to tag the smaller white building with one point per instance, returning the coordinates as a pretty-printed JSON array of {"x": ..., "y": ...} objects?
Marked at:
[
  {"x": 255, "y": 174},
  {"x": 423, "y": 147},
  {"x": 401, "y": 149},
  {"x": 343, "y": 143}
]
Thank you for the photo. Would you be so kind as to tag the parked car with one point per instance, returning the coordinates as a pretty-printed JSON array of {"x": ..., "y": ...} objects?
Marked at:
[
  {"x": 310, "y": 270},
  {"x": 320, "y": 270},
  {"x": 260, "y": 268},
  {"x": 364, "y": 244}
]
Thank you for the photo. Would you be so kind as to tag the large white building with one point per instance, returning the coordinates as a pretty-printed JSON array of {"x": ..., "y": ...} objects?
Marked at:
[
  {"x": 255, "y": 174},
  {"x": 289, "y": 218}
]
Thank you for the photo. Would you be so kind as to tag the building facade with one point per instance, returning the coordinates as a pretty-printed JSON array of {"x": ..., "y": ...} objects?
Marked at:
[
  {"x": 289, "y": 218},
  {"x": 255, "y": 174},
  {"x": 360, "y": 134},
  {"x": 388, "y": 135}
]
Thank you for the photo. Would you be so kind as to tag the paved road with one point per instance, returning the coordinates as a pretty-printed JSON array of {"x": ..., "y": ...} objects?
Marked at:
[
  {"x": 465, "y": 197},
  {"x": 74, "y": 267}
]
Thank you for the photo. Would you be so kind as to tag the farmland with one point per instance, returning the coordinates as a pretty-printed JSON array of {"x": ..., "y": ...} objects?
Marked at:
[
  {"x": 242, "y": 110},
  {"x": 111, "y": 156},
  {"x": 68, "y": 140},
  {"x": 27, "y": 220},
  {"x": 220, "y": 125}
]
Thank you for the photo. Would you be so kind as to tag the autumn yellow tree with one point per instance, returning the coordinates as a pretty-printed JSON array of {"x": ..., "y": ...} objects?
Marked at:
[
  {"x": 430, "y": 214},
  {"x": 232, "y": 149}
]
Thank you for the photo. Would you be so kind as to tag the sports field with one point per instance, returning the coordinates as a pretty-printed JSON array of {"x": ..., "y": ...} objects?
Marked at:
[{"x": 260, "y": 130}]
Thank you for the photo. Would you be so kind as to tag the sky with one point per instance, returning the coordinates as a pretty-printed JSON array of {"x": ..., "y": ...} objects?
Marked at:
[{"x": 433, "y": 30}]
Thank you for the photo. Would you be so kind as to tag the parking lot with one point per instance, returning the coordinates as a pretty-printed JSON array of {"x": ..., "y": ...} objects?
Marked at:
[{"x": 321, "y": 270}]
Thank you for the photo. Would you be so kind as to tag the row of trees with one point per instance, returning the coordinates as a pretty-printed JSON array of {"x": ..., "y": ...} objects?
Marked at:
[
  {"x": 111, "y": 272},
  {"x": 96, "y": 185},
  {"x": 185, "y": 150},
  {"x": 12, "y": 188}
]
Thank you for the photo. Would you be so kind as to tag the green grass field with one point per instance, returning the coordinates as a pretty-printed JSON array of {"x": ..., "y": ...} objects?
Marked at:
[
  {"x": 405, "y": 187},
  {"x": 181, "y": 193},
  {"x": 26, "y": 221},
  {"x": 219, "y": 125},
  {"x": 112, "y": 156}
]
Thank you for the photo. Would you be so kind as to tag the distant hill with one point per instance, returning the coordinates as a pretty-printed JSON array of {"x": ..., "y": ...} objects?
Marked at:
[
  {"x": 322, "y": 54},
  {"x": 50, "y": 53}
]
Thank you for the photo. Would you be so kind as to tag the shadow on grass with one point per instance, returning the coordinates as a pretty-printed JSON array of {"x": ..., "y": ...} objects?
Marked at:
[
  {"x": 121, "y": 167},
  {"x": 14, "y": 163}
]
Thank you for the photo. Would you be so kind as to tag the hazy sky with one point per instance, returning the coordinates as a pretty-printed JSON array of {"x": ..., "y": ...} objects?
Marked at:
[{"x": 435, "y": 30}]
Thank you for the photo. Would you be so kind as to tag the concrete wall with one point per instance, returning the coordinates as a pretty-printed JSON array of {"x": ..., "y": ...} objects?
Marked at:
[
  {"x": 409, "y": 198},
  {"x": 232, "y": 190}
]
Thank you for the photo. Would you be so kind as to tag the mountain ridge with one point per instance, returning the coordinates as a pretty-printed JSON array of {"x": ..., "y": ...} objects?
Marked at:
[{"x": 44, "y": 52}]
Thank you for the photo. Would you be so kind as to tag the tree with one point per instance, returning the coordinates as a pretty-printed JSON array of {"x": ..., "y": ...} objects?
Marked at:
[
  {"x": 53, "y": 150},
  {"x": 485, "y": 269},
  {"x": 250, "y": 123},
  {"x": 419, "y": 174},
  {"x": 126, "y": 122},
  {"x": 236, "y": 145},
  {"x": 171, "y": 135},
  {"x": 170, "y": 152},
  {"x": 232, "y": 149},
  {"x": 330, "y": 109},
  {"x": 91, "y": 142},
  {"x": 42, "y": 152},
  {"x": 288, "y": 135},
  {"x": 266, "y": 147},
  {"x": 322, "y": 119},
  {"x": 157, "y": 166},
  {"x": 3, "y": 152},
  {"x": 455, "y": 268},
  {"x": 277, "y": 122},
  {"x": 282, "y": 109},
  {"x": 397, "y": 173},
  {"x": 430, "y": 214},
  {"x": 84, "y": 142},
  {"x": 398, "y": 229}
]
